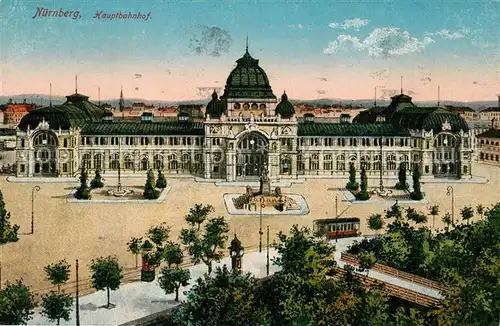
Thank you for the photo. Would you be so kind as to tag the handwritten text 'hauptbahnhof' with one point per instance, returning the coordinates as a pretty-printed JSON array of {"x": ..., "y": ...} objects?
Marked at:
[{"x": 99, "y": 14}]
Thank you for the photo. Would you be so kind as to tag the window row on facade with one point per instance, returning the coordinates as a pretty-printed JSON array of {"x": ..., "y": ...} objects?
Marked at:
[
  {"x": 181, "y": 161},
  {"x": 131, "y": 141}
]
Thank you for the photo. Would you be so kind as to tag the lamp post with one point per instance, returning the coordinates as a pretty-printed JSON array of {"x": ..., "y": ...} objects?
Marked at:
[
  {"x": 35, "y": 188},
  {"x": 267, "y": 255},
  {"x": 260, "y": 223},
  {"x": 77, "y": 298},
  {"x": 449, "y": 192},
  {"x": 236, "y": 251},
  {"x": 336, "y": 218}
]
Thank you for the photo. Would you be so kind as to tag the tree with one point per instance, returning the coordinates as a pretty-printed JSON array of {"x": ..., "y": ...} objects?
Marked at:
[
  {"x": 434, "y": 211},
  {"x": 8, "y": 233},
  {"x": 410, "y": 318},
  {"x": 352, "y": 184},
  {"x": 97, "y": 181},
  {"x": 173, "y": 254},
  {"x": 206, "y": 246},
  {"x": 149, "y": 189},
  {"x": 447, "y": 220},
  {"x": 172, "y": 279},
  {"x": 57, "y": 306},
  {"x": 375, "y": 222},
  {"x": 161, "y": 182},
  {"x": 374, "y": 308},
  {"x": 401, "y": 184},
  {"x": 134, "y": 246},
  {"x": 106, "y": 274},
  {"x": 480, "y": 210},
  {"x": 394, "y": 211},
  {"x": 198, "y": 214},
  {"x": 467, "y": 213},
  {"x": 17, "y": 304},
  {"x": 58, "y": 273},
  {"x": 417, "y": 193},
  {"x": 366, "y": 261},
  {"x": 228, "y": 298},
  {"x": 159, "y": 234},
  {"x": 417, "y": 217},
  {"x": 83, "y": 192},
  {"x": 363, "y": 194}
]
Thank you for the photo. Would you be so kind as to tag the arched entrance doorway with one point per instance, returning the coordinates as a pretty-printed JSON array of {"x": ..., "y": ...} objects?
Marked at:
[
  {"x": 252, "y": 156},
  {"x": 45, "y": 147}
]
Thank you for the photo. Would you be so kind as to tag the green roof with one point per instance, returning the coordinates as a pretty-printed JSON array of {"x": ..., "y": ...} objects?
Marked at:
[
  {"x": 429, "y": 118},
  {"x": 342, "y": 129},
  {"x": 75, "y": 112},
  {"x": 248, "y": 80},
  {"x": 285, "y": 108},
  {"x": 140, "y": 128},
  {"x": 492, "y": 109},
  {"x": 492, "y": 133}
]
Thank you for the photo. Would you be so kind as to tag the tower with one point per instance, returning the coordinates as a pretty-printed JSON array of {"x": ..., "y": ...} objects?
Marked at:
[{"x": 121, "y": 103}]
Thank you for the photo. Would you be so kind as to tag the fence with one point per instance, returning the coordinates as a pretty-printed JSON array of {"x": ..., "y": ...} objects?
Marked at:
[
  {"x": 129, "y": 276},
  {"x": 352, "y": 259},
  {"x": 394, "y": 290}
]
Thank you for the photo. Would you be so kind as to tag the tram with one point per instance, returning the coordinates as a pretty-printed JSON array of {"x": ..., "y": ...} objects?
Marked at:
[{"x": 337, "y": 227}]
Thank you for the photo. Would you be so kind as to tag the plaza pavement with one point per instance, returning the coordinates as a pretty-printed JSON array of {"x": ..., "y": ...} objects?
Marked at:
[{"x": 85, "y": 231}]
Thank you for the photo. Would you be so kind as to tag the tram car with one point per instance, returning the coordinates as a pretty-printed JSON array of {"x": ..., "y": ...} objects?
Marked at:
[{"x": 337, "y": 227}]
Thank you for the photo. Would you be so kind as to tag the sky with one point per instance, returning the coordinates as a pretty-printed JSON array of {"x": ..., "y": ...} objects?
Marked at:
[{"x": 182, "y": 50}]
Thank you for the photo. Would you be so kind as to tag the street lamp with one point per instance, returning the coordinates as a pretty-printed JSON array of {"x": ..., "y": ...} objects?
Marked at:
[
  {"x": 450, "y": 193},
  {"x": 77, "y": 298},
  {"x": 236, "y": 251},
  {"x": 35, "y": 188},
  {"x": 262, "y": 205},
  {"x": 336, "y": 218},
  {"x": 267, "y": 256}
]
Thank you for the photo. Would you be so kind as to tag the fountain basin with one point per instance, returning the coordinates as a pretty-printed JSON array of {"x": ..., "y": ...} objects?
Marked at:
[{"x": 301, "y": 207}]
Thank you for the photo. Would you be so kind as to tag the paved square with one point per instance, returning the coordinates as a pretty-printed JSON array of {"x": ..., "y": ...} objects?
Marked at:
[{"x": 74, "y": 231}]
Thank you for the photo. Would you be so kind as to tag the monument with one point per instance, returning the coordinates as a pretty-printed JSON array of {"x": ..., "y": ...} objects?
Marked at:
[{"x": 264, "y": 198}]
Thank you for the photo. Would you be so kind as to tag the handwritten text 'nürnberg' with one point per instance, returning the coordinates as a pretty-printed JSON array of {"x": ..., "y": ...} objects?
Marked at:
[{"x": 101, "y": 15}]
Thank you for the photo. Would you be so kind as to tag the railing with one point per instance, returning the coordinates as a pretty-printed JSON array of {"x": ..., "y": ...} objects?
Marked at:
[
  {"x": 129, "y": 276},
  {"x": 353, "y": 260},
  {"x": 394, "y": 290}
]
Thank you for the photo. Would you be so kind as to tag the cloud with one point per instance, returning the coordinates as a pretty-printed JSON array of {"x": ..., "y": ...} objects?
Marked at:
[
  {"x": 206, "y": 92},
  {"x": 320, "y": 92},
  {"x": 350, "y": 23},
  {"x": 446, "y": 34},
  {"x": 137, "y": 75},
  {"x": 210, "y": 40},
  {"x": 381, "y": 43},
  {"x": 425, "y": 80},
  {"x": 323, "y": 79},
  {"x": 297, "y": 26}
]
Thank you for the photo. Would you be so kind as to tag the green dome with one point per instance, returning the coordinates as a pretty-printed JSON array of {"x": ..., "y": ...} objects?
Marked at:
[
  {"x": 248, "y": 80},
  {"x": 76, "y": 111},
  {"x": 215, "y": 108},
  {"x": 285, "y": 108}
]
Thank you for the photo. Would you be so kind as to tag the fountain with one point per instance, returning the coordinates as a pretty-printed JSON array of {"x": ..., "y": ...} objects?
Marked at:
[
  {"x": 263, "y": 197},
  {"x": 119, "y": 191}
]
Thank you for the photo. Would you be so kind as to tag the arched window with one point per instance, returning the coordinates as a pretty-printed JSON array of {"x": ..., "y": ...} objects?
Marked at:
[
  {"x": 158, "y": 162},
  {"x": 144, "y": 163},
  {"x": 236, "y": 106},
  {"x": 391, "y": 162},
  {"x": 114, "y": 161},
  {"x": 98, "y": 162},
  {"x": 129, "y": 162},
  {"x": 172, "y": 162},
  {"x": 285, "y": 165},
  {"x": 86, "y": 161},
  {"x": 327, "y": 162},
  {"x": 341, "y": 162},
  {"x": 314, "y": 162}
]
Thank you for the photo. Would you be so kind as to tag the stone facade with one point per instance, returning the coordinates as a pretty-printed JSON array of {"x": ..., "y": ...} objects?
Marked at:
[{"x": 244, "y": 132}]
